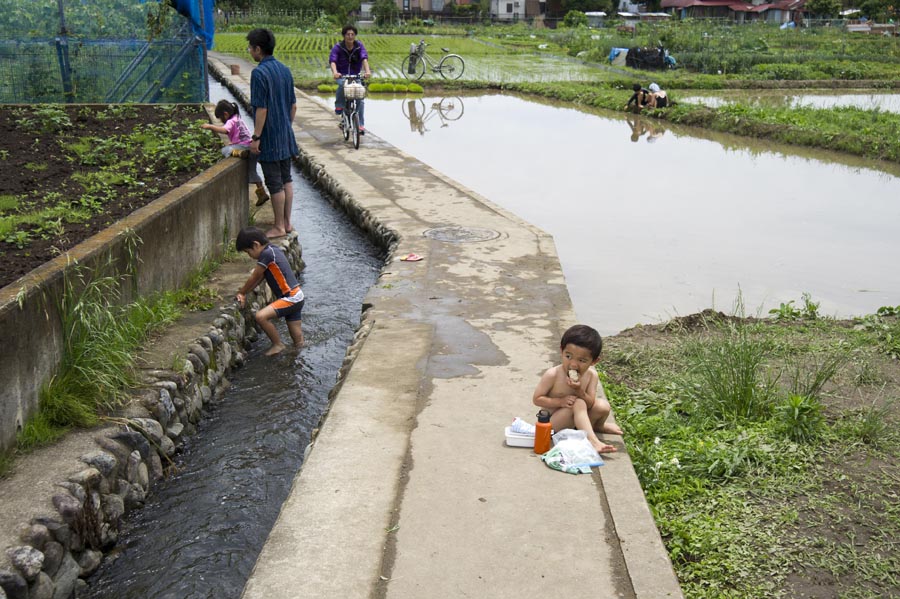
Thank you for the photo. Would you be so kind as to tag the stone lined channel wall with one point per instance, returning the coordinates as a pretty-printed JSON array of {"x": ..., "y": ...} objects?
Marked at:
[
  {"x": 63, "y": 533},
  {"x": 59, "y": 549}
]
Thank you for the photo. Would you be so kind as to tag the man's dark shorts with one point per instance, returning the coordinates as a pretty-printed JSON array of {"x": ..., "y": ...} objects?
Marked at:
[{"x": 276, "y": 174}]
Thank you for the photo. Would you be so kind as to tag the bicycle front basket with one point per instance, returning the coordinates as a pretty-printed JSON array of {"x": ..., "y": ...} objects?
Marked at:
[{"x": 354, "y": 91}]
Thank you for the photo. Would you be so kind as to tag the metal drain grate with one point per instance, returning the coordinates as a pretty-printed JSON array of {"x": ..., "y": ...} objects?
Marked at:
[{"x": 456, "y": 234}]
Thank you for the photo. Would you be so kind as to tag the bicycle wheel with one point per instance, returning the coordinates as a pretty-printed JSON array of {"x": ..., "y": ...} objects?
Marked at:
[
  {"x": 419, "y": 70},
  {"x": 451, "y": 66},
  {"x": 451, "y": 108},
  {"x": 413, "y": 108},
  {"x": 345, "y": 123},
  {"x": 354, "y": 128}
]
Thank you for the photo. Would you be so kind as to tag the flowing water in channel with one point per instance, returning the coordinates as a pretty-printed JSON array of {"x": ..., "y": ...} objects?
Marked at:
[
  {"x": 201, "y": 530},
  {"x": 652, "y": 221}
]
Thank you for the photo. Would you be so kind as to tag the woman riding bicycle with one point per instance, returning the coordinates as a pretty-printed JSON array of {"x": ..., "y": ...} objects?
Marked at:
[{"x": 349, "y": 57}]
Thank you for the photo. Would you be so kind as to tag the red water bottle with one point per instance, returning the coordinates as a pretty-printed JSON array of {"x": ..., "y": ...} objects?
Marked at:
[{"x": 542, "y": 432}]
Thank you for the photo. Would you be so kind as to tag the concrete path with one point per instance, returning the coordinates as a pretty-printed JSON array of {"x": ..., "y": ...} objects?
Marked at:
[{"x": 409, "y": 490}]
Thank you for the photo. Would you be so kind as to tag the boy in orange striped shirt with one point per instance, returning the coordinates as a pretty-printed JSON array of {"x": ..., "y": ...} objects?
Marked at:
[{"x": 272, "y": 265}]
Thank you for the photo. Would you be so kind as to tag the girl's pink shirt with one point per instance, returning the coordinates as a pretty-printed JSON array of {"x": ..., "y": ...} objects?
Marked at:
[{"x": 238, "y": 133}]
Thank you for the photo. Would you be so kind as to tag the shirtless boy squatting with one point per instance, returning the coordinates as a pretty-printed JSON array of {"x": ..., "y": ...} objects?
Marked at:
[{"x": 569, "y": 390}]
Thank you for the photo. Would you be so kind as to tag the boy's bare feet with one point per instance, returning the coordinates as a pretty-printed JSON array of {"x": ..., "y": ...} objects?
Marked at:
[
  {"x": 611, "y": 428},
  {"x": 275, "y": 349},
  {"x": 602, "y": 447},
  {"x": 275, "y": 232}
]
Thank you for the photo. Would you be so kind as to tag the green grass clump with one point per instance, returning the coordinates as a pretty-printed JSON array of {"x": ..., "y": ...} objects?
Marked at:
[
  {"x": 8, "y": 202},
  {"x": 800, "y": 418},
  {"x": 730, "y": 379},
  {"x": 100, "y": 340},
  {"x": 872, "y": 425}
]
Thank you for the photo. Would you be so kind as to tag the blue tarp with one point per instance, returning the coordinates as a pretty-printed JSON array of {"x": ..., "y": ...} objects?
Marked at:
[
  {"x": 615, "y": 52},
  {"x": 190, "y": 9}
]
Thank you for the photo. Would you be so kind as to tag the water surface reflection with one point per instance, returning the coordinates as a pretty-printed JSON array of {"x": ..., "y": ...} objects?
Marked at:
[
  {"x": 780, "y": 99},
  {"x": 646, "y": 231}
]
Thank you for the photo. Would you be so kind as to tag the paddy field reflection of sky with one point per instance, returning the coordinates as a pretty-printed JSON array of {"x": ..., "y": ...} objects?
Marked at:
[{"x": 652, "y": 223}]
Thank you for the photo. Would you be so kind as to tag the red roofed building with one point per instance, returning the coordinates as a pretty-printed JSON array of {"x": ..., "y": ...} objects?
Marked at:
[{"x": 778, "y": 12}]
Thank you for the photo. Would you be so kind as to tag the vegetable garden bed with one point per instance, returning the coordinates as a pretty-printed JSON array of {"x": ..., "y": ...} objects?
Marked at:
[{"x": 71, "y": 170}]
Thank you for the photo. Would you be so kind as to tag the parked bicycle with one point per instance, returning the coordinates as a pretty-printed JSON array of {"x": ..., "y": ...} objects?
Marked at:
[
  {"x": 354, "y": 90},
  {"x": 450, "y": 66},
  {"x": 447, "y": 110}
]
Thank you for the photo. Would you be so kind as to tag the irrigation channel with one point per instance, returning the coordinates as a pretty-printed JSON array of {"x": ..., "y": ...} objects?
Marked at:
[
  {"x": 652, "y": 221},
  {"x": 201, "y": 530}
]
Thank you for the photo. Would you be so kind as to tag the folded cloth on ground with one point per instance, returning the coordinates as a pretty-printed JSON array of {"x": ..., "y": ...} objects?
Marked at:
[
  {"x": 572, "y": 453},
  {"x": 521, "y": 427}
]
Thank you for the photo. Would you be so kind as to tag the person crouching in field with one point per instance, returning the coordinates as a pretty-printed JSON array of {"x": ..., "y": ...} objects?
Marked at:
[
  {"x": 272, "y": 265},
  {"x": 639, "y": 98},
  {"x": 569, "y": 391},
  {"x": 658, "y": 97}
]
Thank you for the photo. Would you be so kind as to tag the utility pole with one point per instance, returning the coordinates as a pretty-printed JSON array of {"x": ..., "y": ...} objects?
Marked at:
[{"x": 62, "y": 54}]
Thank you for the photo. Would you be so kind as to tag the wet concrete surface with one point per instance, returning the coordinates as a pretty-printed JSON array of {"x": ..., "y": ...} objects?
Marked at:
[{"x": 409, "y": 490}]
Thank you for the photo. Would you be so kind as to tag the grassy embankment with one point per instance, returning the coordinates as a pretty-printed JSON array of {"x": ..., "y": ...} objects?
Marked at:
[{"x": 767, "y": 449}]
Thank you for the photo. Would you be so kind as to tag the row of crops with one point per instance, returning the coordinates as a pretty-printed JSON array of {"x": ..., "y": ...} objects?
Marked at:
[
  {"x": 749, "y": 52},
  {"x": 307, "y": 57},
  {"x": 306, "y": 43}
]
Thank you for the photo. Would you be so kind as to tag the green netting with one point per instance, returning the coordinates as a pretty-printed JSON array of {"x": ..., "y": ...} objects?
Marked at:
[{"x": 98, "y": 51}]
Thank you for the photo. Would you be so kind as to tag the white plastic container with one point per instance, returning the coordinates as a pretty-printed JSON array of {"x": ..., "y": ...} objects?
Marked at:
[{"x": 518, "y": 439}]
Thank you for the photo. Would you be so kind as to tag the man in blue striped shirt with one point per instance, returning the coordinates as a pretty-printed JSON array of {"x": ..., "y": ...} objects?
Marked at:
[{"x": 274, "y": 107}]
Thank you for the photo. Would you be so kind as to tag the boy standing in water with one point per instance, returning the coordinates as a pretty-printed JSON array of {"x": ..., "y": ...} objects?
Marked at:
[
  {"x": 272, "y": 265},
  {"x": 569, "y": 390}
]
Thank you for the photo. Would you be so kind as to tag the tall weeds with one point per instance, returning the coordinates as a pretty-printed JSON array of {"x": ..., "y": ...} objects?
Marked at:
[
  {"x": 731, "y": 381},
  {"x": 99, "y": 338}
]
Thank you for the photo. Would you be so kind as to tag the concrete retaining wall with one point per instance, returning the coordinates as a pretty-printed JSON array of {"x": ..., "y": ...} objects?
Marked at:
[{"x": 160, "y": 244}]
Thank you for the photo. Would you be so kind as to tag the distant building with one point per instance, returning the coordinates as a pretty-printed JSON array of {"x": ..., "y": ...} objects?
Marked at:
[
  {"x": 781, "y": 11},
  {"x": 508, "y": 10},
  {"x": 595, "y": 19}
]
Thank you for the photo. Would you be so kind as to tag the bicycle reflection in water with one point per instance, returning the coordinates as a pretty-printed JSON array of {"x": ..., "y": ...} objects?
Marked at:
[{"x": 447, "y": 110}]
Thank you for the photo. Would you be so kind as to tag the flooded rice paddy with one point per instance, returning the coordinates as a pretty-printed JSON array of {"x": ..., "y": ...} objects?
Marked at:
[
  {"x": 778, "y": 99},
  {"x": 652, "y": 222},
  {"x": 493, "y": 67}
]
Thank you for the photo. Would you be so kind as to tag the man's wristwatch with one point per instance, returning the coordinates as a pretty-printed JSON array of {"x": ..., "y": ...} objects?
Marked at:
[{"x": 254, "y": 137}]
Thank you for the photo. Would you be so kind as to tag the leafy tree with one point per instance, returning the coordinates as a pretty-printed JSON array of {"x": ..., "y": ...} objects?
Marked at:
[
  {"x": 587, "y": 5},
  {"x": 823, "y": 8},
  {"x": 575, "y": 18},
  {"x": 385, "y": 12},
  {"x": 876, "y": 10}
]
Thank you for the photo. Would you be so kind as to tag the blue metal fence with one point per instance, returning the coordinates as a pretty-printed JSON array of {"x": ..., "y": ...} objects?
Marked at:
[{"x": 101, "y": 51}]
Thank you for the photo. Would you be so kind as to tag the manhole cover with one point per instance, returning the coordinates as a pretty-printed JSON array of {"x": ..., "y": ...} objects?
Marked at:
[{"x": 456, "y": 234}]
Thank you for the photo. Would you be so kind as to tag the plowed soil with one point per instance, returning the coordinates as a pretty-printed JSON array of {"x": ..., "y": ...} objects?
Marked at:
[{"x": 35, "y": 162}]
